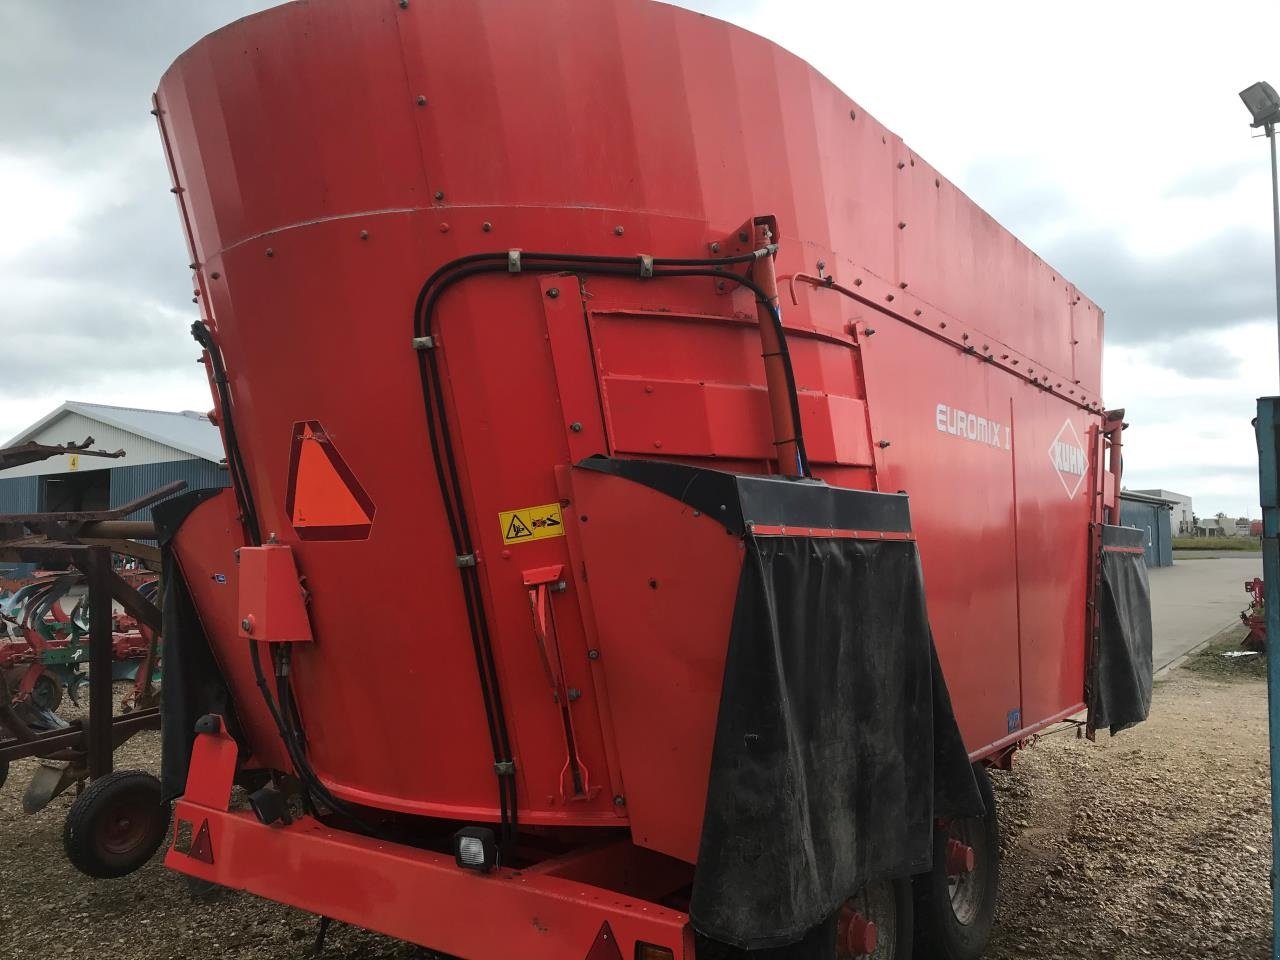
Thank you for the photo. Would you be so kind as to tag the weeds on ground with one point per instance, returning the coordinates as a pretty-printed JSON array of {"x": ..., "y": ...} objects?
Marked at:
[{"x": 1210, "y": 659}]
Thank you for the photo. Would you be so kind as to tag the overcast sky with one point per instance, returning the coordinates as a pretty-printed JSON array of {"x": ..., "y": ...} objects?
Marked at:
[{"x": 1108, "y": 136}]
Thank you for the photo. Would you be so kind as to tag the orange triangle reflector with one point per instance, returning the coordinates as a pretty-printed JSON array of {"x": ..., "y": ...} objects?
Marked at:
[{"x": 325, "y": 501}]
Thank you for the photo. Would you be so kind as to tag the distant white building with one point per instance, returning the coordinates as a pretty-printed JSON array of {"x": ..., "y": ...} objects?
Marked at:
[
  {"x": 1184, "y": 524},
  {"x": 1215, "y": 527}
]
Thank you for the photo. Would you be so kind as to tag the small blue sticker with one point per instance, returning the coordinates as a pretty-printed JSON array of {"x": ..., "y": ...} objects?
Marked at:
[
  {"x": 1015, "y": 721},
  {"x": 219, "y": 578}
]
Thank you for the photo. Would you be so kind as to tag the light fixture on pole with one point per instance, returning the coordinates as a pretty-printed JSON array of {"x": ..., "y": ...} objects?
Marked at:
[{"x": 1264, "y": 105}]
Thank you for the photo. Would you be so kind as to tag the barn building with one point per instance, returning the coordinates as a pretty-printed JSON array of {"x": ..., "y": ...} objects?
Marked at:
[
  {"x": 159, "y": 447},
  {"x": 1154, "y": 515},
  {"x": 1183, "y": 518}
]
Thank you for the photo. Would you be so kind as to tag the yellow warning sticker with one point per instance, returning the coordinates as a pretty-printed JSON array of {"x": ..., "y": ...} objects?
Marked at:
[{"x": 531, "y": 523}]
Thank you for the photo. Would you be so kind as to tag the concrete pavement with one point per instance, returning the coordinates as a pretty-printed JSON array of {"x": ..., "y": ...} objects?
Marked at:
[{"x": 1195, "y": 599}]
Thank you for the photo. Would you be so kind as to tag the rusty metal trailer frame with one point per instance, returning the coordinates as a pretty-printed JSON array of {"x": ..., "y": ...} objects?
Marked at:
[
  {"x": 93, "y": 740},
  {"x": 86, "y": 540}
]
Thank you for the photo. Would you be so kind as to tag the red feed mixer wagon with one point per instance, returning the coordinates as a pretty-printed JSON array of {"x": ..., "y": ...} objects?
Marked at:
[{"x": 741, "y": 490}]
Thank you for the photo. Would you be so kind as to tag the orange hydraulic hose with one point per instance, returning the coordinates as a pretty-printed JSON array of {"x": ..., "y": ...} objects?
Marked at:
[{"x": 775, "y": 371}]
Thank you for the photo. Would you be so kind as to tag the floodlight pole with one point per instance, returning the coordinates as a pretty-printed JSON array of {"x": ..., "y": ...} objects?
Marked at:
[
  {"x": 1275, "y": 215},
  {"x": 1271, "y": 573},
  {"x": 1269, "y": 472},
  {"x": 1264, "y": 105}
]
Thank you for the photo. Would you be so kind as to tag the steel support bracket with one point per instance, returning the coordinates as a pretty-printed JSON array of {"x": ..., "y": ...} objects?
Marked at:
[{"x": 734, "y": 244}]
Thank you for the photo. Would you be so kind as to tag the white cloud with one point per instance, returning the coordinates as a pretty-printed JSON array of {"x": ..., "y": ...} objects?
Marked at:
[
  {"x": 1104, "y": 125},
  {"x": 36, "y": 207},
  {"x": 1195, "y": 435}
]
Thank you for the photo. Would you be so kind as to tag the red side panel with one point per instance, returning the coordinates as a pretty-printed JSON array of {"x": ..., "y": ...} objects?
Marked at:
[
  {"x": 945, "y": 417},
  {"x": 694, "y": 387},
  {"x": 667, "y": 601},
  {"x": 1054, "y": 492}
]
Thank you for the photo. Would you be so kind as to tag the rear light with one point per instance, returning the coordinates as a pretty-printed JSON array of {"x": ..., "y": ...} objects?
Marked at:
[
  {"x": 651, "y": 951},
  {"x": 475, "y": 848}
]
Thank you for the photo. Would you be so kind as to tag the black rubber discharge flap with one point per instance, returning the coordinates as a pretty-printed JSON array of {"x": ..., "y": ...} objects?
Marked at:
[
  {"x": 836, "y": 746},
  {"x": 193, "y": 683},
  {"x": 1120, "y": 659}
]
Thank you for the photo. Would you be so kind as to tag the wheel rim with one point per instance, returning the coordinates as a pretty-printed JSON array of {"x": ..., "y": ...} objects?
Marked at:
[
  {"x": 124, "y": 826},
  {"x": 877, "y": 903},
  {"x": 966, "y": 889}
]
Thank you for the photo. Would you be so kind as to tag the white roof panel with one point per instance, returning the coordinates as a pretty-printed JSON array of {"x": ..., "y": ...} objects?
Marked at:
[{"x": 184, "y": 430}]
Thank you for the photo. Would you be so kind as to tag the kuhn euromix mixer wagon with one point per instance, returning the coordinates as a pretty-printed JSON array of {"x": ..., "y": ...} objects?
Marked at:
[{"x": 649, "y": 415}]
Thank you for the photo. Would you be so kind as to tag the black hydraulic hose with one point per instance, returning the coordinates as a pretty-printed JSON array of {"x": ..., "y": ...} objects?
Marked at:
[
  {"x": 288, "y": 724},
  {"x": 455, "y": 510},
  {"x": 504, "y": 256},
  {"x": 465, "y": 267},
  {"x": 235, "y": 463},
  {"x": 445, "y": 461},
  {"x": 284, "y": 717}
]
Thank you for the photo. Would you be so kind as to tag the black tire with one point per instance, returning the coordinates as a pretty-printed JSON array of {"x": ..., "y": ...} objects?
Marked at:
[
  {"x": 4, "y": 771},
  {"x": 116, "y": 824},
  {"x": 953, "y": 916}
]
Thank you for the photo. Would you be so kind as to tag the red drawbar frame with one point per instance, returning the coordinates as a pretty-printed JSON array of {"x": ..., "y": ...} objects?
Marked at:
[{"x": 420, "y": 896}]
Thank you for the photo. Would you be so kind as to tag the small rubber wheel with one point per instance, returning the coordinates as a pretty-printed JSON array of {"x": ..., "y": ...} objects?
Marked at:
[
  {"x": 954, "y": 914},
  {"x": 4, "y": 771},
  {"x": 116, "y": 825}
]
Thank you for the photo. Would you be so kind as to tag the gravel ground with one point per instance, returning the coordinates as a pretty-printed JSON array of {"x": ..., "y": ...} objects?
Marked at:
[{"x": 1154, "y": 844}]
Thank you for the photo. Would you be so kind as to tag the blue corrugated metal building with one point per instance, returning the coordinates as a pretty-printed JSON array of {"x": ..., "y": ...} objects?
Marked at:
[
  {"x": 159, "y": 447},
  {"x": 1154, "y": 515}
]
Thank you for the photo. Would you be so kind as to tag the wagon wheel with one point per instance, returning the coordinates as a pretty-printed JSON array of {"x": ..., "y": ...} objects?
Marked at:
[
  {"x": 956, "y": 901},
  {"x": 876, "y": 923},
  {"x": 116, "y": 825}
]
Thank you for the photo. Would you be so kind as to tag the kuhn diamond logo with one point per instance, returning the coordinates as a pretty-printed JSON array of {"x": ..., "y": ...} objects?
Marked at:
[{"x": 1069, "y": 459}]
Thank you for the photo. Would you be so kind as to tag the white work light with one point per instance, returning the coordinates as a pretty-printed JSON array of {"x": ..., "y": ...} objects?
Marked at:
[
  {"x": 1264, "y": 105},
  {"x": 475, "y": 848}
]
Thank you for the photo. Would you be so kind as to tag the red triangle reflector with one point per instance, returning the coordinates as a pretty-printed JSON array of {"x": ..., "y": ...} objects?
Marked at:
[
  {"x": 324, "y": 501},
  {"x": 202, "y": 845},
  {"x": 605, "y": 946}
]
